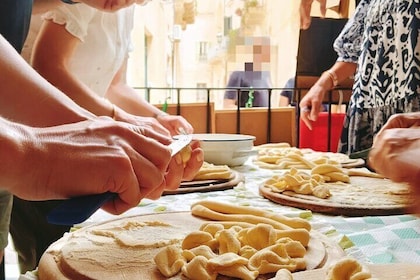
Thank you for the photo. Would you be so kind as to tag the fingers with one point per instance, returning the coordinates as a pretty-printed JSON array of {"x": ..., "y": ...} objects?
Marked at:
[
  {"x": 195, "y": 162},
  {"x": 152, "y": 169},
  {"x": 305, "y": 14},
  {"x": 323, "y": 7},
  {"x": 176, "y": 124},
  {"x": 304, "y": 115},
  {"x": 402, "y": 121},
  {"x": 172, "y": 179},
  {"x": 148, "y": 132},
  {"x": 179, "y": 171},
  {"x": 156, "y": 126},
  {"x": 149, "y": 160}
]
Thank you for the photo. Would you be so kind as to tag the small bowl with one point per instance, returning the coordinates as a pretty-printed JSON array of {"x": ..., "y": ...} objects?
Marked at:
[{"x": 226, "y": 149}]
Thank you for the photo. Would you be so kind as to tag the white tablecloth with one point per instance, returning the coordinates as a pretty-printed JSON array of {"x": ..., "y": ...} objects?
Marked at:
[{"x": 371, "y": 239}]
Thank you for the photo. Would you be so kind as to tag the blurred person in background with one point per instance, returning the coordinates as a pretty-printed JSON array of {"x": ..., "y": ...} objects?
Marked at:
[
  {"x": 379, "y": 44},
  {"x": 255, "y": 78}
]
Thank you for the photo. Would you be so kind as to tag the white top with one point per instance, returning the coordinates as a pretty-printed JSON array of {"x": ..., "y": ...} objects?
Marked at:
[{"x": 105, "y": 41}]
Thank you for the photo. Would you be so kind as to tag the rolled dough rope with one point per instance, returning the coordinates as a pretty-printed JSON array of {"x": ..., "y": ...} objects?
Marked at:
[
  {"x": 299, "y": 234},
  {"x": 363, "y": 173},
  {"x": 236, "y": 209},
  {"x": 227, "y": 224}
]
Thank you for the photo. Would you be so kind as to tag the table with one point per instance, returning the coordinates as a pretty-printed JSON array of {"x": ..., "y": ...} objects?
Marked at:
[{"x": 370, "y": 239}]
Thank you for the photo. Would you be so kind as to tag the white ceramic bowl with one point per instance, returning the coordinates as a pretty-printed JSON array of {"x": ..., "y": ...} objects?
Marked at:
[{"x": 226, "y": 149}]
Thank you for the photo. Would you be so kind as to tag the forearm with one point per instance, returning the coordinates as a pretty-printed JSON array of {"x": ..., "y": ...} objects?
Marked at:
[
  {"x": 28, "y": 98},
  {"x": 74, "y": 88},
  {"x": 130, "y": 101},
  {"x": 339, "y": 72},
  {"x": 12, "y": 151}
]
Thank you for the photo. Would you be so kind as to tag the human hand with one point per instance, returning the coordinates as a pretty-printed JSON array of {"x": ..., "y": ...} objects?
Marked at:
[
  {"x": 395, "y": 154},
  {"x": 91, "y": 157},
  {"x": 396, "y": 138},
  {"x": 404, "y": 120},
  {"x": 305, "y": 12},
  {"x": 179, "y": 171},
  {"x": 147, "y": 122},
  {"x": 175, "y": 124},
  {"x": 311, "y": 105}
]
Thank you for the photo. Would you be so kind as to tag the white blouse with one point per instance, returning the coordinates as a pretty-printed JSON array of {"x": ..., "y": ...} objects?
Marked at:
[{"x": 105, "y": 41}]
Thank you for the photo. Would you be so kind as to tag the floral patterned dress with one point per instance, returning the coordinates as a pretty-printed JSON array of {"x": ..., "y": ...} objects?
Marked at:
[{"x": 382, "y": 37}]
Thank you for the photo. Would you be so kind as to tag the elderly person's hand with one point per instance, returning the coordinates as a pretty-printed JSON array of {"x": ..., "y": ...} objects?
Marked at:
[
  {"x": 179, "y": 171},
  {"x": 311, "y": 104},
  {"x": 147, "y": 122},
  {"x": 396, "y": 151},
  {"x": 91, "y": 157},
  {"x": 305, "y": 12}
]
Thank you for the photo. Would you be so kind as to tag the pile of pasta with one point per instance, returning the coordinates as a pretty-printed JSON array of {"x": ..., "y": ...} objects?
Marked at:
[
  {"x": 308, "y": 175},
  {"x": 239, "y": 242},
  {"x": 345, "y": 269},
  {"x": 312, "y": 183},
  {"x": 283, "y": 156},
  {"x": 209, "y": 171}
]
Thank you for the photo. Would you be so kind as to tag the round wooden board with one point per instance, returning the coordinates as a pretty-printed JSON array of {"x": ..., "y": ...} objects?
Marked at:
[
  {"x": 363, "y": 196},
  {"x": 321, "y": 251},
  {"x": 378, "y": 271},
  {"x": 208, "y": 185}
]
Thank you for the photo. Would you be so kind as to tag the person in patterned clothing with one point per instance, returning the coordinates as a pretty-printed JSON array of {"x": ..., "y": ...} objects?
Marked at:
[{"x": 379, "y": 45}]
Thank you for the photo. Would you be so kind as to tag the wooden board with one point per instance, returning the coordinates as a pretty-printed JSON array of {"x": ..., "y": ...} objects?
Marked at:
[
  {"x": 363, "y": 196},
  {"x": 321, "y": 251},
  {"x": 379, "y": 271},
  {"x": 208, "y": 185}
]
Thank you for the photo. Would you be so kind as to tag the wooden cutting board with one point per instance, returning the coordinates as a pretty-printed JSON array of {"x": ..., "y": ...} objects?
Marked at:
[
  {"x": 381, "y": 271},
  {"x": 363, "y": 196},
  {"x": 321, "y": 251},
  {"x": 208, "y": 185}
]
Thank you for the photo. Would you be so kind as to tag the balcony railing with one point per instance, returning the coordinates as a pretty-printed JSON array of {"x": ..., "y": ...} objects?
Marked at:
[{"x": 333, "y": 97}]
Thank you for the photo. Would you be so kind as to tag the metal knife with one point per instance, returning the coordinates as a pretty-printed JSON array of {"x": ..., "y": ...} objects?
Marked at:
[
  {"x": 78, "y": 209},
  {"x": 182, "y": 141},
  {"x": 360, "y": 154}
]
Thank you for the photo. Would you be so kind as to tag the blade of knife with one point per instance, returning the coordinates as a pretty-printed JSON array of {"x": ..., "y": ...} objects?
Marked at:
[
  {"x": 180, "y": 143},
  {"x": 78, "y": 209},
  {"x": 360, "y": 154}
]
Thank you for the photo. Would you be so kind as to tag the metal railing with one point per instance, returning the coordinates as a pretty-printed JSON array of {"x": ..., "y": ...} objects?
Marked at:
[{"x": 333, "y": 97}]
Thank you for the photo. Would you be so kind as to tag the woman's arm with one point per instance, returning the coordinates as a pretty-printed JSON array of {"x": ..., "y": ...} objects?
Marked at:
[
  {"x": 52, "y": 53},
  {"x": 126, "y": 98},
  {"x": 311, "y": 103},
  {"x": 28, "y": 98},
  {"x": 52, "y": 162}
]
